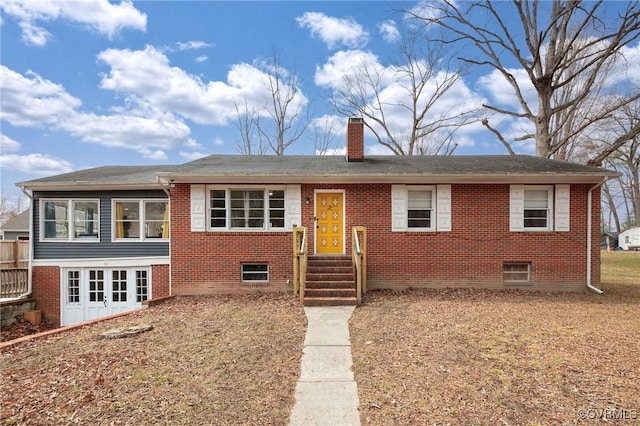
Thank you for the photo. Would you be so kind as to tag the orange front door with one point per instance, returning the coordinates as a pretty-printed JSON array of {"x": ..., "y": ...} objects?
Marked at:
[{"x": 330, "y": 223}]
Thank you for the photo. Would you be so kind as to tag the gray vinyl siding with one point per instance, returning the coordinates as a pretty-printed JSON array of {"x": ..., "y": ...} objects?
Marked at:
[{"x": 105, "y": 248}]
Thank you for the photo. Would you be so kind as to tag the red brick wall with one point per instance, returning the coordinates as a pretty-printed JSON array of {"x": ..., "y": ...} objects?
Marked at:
[
  {"x": 46, "y": 290},
  {"x": 471, "y": 255},
  {"x": 160, "y": 277}
]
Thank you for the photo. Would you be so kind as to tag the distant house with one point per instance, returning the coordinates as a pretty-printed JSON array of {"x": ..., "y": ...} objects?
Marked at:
[
  {"x": 106, "y": 239},
  {"x": 608, "y": 240},
  {"x": 16, "y": 228},
  {"x": 630, "y": 239}
]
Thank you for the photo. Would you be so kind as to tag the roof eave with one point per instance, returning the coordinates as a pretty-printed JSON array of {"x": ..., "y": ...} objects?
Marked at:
[
  {"x": 86, "y": 186},
  {"x": 386, "y": 178}
]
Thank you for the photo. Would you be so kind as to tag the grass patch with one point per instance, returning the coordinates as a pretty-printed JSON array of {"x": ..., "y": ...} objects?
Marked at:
[{"x": 500, "y": 357}]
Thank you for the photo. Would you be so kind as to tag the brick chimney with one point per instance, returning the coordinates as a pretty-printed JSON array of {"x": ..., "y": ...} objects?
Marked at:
[{"x": 355, "y": 139}]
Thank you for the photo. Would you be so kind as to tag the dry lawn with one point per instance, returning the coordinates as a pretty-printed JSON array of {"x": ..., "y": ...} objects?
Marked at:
[
  {"x": 494, "y": 357},
  {"x": 420, "y": 357},
  {"x": 215, "y": 360}
]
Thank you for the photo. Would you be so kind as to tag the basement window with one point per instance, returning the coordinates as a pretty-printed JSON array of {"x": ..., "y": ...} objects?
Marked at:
[
  {"x": 255, "y": 272},
  {"x": 516, "y": 273}
]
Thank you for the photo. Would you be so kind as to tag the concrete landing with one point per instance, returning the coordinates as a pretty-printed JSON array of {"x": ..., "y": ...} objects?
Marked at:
[{"x": 326, "y": 393}]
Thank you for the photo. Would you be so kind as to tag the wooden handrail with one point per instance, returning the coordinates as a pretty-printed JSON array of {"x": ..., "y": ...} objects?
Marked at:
[
  {"x": 299, "y": 260},
  {"x": 359, "y": 257}
]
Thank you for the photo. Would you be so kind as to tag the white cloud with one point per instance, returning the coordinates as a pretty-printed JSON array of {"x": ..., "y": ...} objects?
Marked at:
[
  {"x": 389, "y": 31},
  {"x": 192, "y": 45},
  {"x": 627, "y": 66},
  {"x": 428, "y": 9},
  {"x": 147, "y": 135},
  {"x": 502, "y": 93},
  {"x": 40, "y": 164},
  {"x": 202, "y": 58},
  {"x": 148, "y": 74},
  {"x": 8, "y": 145},
  {"x": 100, "y": 15},
  {"x": 218, "y": 141},
  {"x": 334, "y": 31},
  {"x": 342, "y": 64},
  {"x": 193, "y": 155},
  {"x": 332, "y": 151},
  {"x": 33, "y": 101},
  {"x": 30, "y": 100}
]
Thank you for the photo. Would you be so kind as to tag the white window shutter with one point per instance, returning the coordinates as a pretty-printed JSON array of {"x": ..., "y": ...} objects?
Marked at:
[
  {"x": 443, "y": 207},
  {"x": 198, "y": 208},
  {"x": 516, "y": 208},
  {"x": 398, "y": 208},
  {"x": 293, "y": 206},
  {"x": 562, "y": 208}
]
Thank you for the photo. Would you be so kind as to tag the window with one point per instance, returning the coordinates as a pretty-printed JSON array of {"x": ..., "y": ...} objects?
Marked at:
[
  {"x": 246, "y": 209},
  {"x": 255, "y": 272},
  {"x": 73, "y": 287},
  {"x": 419, "y": 209},
  {"x": 96, "y": 286},
  {"x": 276, "y": 209},
  {"x": 537, "y": 207},
  {"x": 516, "y": 272},
  {"x": 76, "y": 220},
  {"x": 119, "y": 286},
  {"x": 218, "y": 208},
  {"x": 155, "y": 219},
  {"x": 141, "y": 219},
  {"x": 142, "y": 286}
]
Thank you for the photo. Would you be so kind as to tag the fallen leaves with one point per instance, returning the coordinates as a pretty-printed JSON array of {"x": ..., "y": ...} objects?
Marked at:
[
  {"x": 208, "y": 360},
  {"x": 470, "y": 356}
]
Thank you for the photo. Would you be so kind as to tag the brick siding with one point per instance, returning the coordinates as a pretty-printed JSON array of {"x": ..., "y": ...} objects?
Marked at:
[{"x": 471, "y": 255}]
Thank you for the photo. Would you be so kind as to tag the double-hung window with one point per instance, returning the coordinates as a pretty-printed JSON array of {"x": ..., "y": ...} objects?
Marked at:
[
  {"x": 70, "y": 220},
  {"x": 246, "y": 208},
  {"x": 420, "y": 209},
  {"x": 140, "y": 219},
  {"x": 537, "y": 208}
]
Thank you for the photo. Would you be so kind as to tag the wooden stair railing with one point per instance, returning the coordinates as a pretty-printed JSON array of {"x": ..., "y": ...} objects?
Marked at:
[
  {"x": 299, "y": 260},
  {"x": 359, "y": 257}
]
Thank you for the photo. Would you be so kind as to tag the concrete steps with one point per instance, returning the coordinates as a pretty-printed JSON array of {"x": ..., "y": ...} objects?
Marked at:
[{"x": 330, "y": 282}]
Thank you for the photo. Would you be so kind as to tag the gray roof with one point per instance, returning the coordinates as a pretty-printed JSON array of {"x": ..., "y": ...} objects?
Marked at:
[
  {"x": 375, "y": 169},
  {"x": 20, "y": 222},
  {"x": 129, "y": 177},
  {"x": 330, "y": 169}
]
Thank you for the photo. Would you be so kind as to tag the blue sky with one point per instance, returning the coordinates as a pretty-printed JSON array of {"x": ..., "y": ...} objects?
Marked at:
[{"x": 90, "y": 83}]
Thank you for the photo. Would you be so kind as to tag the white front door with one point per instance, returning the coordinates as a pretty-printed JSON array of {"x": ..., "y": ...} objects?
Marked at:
[{"x": 89, "y": 293}]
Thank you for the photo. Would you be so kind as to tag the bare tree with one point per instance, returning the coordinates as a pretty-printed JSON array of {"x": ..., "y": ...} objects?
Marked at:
[
  {"x": 416, "y": 122},
  {"x": 277, "y": 120},
  {"x": 557, "y": 44},
  {"x": 284, "y": 106},
  {"x": 325, "y": 135},
  {"x": 10, "y": 208},
  {"x": 246, "y": 119}
]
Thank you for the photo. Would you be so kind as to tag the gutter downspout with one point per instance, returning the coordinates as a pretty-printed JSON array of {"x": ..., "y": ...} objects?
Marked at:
[
  {"x": 164, "y": 185},
  {"x": 30, "y": 260},
  {"x": 589, "y": 228}
]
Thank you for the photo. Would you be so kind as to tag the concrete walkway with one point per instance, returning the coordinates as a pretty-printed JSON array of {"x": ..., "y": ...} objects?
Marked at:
[{"x": 326, "y": 393}]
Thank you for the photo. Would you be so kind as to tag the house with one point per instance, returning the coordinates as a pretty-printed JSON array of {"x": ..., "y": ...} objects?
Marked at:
[
  {"x": 16, "y": 228},
  {"x": 224, "y": 224},
  {"x": 608, "y": 240},
  {"x": 630, "y": 239}
]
